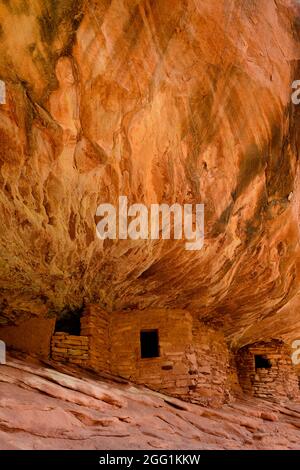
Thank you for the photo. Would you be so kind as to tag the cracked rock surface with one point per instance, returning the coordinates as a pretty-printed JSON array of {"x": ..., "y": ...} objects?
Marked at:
[{"x": 45, "y": 408}]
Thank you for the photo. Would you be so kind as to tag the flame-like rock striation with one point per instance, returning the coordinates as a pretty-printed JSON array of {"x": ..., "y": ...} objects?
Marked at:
[{"x": 183, "y": 101}]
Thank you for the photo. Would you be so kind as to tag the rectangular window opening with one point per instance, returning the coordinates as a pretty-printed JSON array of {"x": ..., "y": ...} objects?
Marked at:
[
  {"x": 262, "y": 362},
  {"x": 149, "y": 344}
]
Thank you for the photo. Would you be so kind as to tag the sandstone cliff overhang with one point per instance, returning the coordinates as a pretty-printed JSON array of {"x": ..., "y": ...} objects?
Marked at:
[{"x": 189, "y": 104}]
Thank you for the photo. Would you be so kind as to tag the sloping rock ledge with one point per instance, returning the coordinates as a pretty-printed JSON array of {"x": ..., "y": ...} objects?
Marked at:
[{"x": 45, "y": 406}]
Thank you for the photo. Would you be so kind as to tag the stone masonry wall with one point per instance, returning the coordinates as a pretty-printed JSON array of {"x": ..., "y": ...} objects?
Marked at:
[
  {"x": 193, "y": 363},
  {"x": 70, "y": 348},
  {"x": 213, "y": 365},
  {"x": 276, "y": 383},
  {"x": 170, "y": 371},
  {"x": 233, "y": 383},
  {"x": 95, "y": 325},
  {"x": 193, "y": 360}
]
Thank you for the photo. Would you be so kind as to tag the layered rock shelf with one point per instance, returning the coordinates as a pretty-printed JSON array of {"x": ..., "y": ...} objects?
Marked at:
[{"x": 73, "y": 411}]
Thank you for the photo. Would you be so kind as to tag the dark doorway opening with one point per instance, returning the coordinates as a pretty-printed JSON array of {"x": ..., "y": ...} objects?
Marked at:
[
  {"x": 149, "y": 344},
  {"x": 262, "y": 362},
  {"x": 69, "y": 322}
]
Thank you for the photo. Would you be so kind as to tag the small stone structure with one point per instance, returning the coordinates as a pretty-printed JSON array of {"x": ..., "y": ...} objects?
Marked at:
[
  {"x": 170, "y": 351},
  {"x": 167, "y": 350},
  {"x": 265, "y": 371}
]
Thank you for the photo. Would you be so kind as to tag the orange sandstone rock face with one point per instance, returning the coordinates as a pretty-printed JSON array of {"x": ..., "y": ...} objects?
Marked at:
[{"x": 189, "y": 104}]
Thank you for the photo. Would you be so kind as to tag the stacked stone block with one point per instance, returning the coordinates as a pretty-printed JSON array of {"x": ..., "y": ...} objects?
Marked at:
[
  {"x": 95, "y": 326},
  {"x": 70, "y": 348}
]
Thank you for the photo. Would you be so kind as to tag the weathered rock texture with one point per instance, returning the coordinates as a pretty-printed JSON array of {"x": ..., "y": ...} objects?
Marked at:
[
  {"x": 42, "y": 408},
  {"x": 31, "y": 336},
  {"x": 189, "y": 104}
]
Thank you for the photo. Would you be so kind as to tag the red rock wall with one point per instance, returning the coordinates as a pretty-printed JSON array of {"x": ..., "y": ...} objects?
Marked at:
[{"x": 32, "y": 336}]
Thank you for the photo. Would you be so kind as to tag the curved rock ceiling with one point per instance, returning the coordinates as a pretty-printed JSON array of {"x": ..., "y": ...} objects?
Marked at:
[{"x": 169, "y": 101}]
